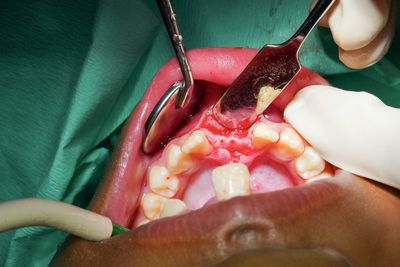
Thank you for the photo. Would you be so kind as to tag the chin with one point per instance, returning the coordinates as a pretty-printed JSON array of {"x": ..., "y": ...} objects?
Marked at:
[{"x": 219, "y": 197}]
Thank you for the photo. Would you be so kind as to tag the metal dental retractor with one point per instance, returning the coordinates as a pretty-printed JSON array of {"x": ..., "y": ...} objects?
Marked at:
[
  {"x": 265, "y": 77},
  {"x": 181, "y": 100}
]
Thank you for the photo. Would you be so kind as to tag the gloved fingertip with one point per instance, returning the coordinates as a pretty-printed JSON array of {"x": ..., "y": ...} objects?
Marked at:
[
  {"x": 353, "y": 131},
  {"x": 354, "y": 24},
  {"x": 374, "y": 51},
  {"x": 299, "y": 107}
]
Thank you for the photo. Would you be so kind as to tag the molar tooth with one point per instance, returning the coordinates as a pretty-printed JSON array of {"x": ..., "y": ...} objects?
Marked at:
[
  {"x": 289, "y": 146},
  {"x": 173, "y": 207},
  {"x": 324, "y": 175},
  {"x": 162, "y": 182},
  {"x": 309, "y": 164},
  {"x": 230, "y": 180},
  {"x": 143, "y": 222},
  {"x": 263, "y": 135},
  {"x": 177, "y": 161},
  {"x": 152, "y": 205},
  {"x": 197, "y": 143}
]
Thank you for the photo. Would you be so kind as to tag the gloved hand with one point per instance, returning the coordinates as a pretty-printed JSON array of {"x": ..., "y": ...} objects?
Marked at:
[
  {"x": 354, "y": 131},
  {"x": 363, "y": 29}
]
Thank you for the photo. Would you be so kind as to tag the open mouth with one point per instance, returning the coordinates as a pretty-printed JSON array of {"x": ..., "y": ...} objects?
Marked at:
[
  {"x": 207, "y": 163},
  {"x": 212, "y": 192}
]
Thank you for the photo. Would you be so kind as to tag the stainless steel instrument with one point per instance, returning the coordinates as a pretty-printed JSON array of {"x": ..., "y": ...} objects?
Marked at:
[
  {"x": 266, "y": 76},
  {"x": 181, "y": 100}
]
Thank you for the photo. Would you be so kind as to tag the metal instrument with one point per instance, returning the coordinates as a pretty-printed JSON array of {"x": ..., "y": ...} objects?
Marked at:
[
  {"x": 181, "y": 100},
  {"x": 266, "y": 76},
  {"x": 249, "y": 95}
]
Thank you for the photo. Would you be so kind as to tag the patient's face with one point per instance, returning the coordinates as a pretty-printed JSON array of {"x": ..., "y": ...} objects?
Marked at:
[{"x": 229, "y": 197}]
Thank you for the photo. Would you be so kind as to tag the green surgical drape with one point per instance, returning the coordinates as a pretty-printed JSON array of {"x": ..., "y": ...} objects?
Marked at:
[{"x": 71, "y": 72}]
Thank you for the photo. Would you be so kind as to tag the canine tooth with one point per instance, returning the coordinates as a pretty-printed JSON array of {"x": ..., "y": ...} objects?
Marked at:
[
  {"x": 289, "y": 146},
  {"x": 173, "y": 207},
  {"x": 152, "y": 205},
  {"x": 162, "y": 182},
  {"x": 309, "y": 164},
  {"x": 177, "y": 161},
  {"x": 197, "y": 143},
  {"x": 263, "y": 135},
  {"x": 230, "y": 180}
]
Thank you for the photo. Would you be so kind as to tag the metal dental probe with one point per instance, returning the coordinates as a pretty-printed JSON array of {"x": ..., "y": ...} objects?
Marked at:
[
  {"x": 266, "y": 76},
  {"x": 181, "y": 100}
]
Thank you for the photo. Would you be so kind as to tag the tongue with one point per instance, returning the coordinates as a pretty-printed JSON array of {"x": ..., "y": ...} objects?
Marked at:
[
  {"x": 200, "y": 190},
  {"x": 270, "y": 176}
]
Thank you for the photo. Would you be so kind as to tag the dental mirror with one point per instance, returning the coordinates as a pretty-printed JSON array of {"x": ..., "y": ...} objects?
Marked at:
[{"x": 179, "y": 103}]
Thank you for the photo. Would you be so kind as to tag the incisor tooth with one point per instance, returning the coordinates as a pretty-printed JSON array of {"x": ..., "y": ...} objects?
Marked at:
[
  {"x": 173, "y": 207},
  {"x": 309, "y": 164},
  {"x": 197, "y": 143},
  {"x": 152, "y": 205},
  {"x": 162, "y": 182},
  {"x": 263, "y": 135},
  {"x": 177, "y": 161},
  {"x": 230, "y": 180},
  {"x": 289, "y": 146}
]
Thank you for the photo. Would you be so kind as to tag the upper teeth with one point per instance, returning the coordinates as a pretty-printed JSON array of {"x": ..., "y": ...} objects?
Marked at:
[
  {"x": 309, "y": 164},
  {"x": 177, "y": 161},
  {"x": 173, "y": 207},
  {"x": 230, "y": 180},
  {"x": 197, "y": 143},
  {"x": 162, "y": 183},
  {"x": 152, "y": 205},
  {"x": 263, "y": 135},
  {"x": 289, "y": 146}
]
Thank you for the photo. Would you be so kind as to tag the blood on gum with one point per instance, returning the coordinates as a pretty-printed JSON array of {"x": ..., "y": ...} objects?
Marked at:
[{"x": 235, "y": 146}]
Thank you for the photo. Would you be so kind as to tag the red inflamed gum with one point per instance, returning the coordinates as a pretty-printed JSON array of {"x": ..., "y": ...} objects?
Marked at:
[{"x": 219, "y": 197}]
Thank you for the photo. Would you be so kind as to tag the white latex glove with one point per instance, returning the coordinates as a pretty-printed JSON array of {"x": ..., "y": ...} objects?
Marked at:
[
  {"x": 363, "y": 29},
  {"x": 354, "y": 131}
]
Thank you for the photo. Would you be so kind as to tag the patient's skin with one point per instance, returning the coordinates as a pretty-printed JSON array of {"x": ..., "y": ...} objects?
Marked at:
[{"x": 338, "y": 220}]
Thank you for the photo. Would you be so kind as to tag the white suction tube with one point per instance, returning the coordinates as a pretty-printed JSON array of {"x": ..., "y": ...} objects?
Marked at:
[{"x": 66, "y": 217}]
